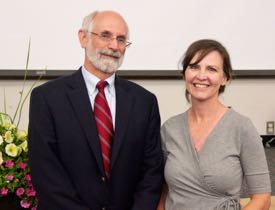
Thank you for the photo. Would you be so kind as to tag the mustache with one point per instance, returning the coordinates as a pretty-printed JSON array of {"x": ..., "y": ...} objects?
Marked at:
[{"x": 109, "y": 52}]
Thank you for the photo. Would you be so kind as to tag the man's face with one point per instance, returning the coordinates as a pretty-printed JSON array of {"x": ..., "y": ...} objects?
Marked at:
[
  {"x": 106, "y": 54},
  {"x": 105, "y": 60}
]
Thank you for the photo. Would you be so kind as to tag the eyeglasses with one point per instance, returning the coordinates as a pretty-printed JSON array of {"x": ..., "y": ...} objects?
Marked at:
[{"x": 108, "y": 37}]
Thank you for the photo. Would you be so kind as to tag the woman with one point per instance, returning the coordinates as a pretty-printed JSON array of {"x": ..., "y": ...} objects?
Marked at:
[{"x": 210, "y": 148}]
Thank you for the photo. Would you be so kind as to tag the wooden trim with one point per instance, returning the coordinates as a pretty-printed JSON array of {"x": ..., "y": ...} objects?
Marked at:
[{"x": 131, "y": 74}]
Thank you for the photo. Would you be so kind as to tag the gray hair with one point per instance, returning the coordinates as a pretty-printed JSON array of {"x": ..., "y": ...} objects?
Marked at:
[
  {"x": 88, "y": 21},
  {"x": 87, "y": 24}
]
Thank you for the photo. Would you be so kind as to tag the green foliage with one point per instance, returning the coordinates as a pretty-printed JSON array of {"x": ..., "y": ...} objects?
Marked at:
[{"x": 14, "y": 170}]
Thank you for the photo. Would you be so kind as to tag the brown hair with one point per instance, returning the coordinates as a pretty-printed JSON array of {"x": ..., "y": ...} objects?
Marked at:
[{"x": 204, "y": 47}]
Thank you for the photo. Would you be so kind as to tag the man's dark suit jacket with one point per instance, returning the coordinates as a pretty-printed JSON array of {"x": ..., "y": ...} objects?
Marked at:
[{"x": 64, "y": 151}]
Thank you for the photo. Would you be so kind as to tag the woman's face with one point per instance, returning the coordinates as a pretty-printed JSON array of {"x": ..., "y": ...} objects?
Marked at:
[{"x": 203, "y": 80}]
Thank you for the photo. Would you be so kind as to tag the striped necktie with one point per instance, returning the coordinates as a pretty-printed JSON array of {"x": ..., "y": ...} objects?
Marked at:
[{"x": 104, "y": 125}]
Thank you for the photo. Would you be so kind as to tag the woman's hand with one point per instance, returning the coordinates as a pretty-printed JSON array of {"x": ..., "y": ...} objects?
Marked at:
[
  {"x": 161, "y": 205},
  {"x": 259, "y": 202}
]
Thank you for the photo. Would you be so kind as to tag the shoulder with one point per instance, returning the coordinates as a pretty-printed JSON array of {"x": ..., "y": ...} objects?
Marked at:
[
  {"x": 242, "y": 127},
  {"x": 174, "y": 122},
  {"x": 236, "y": 115},
  {"x": 173, "y": 131},
  {"x": 243, "y": 121},
  {"x": 58, "y": 85}
]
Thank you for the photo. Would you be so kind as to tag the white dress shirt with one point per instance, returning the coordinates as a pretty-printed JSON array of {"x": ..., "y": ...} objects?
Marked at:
[{"x": 110, "y": 92}]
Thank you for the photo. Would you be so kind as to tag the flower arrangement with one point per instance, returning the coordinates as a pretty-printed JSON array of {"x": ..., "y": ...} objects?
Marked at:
[{"x": 14, "y": 170}]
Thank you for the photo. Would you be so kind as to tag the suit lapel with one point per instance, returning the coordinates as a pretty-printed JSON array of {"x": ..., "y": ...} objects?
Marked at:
[
  {"x": 78, "y": 96},
  {"x": 123, "y": 107}
]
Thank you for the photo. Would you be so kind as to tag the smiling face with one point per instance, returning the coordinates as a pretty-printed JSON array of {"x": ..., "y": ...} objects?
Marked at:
[
  {"x": 204, "y": 78},
  {"x": 103, "y": 56}
]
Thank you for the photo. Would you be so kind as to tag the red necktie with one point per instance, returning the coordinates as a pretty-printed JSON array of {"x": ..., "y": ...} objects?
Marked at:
[{"x": 104, "y": 125}]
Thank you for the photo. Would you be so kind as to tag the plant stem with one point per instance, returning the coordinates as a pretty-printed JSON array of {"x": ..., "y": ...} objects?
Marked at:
[
  {"x": 25, "y": 78},
  {"x": 25, "y": 98}
]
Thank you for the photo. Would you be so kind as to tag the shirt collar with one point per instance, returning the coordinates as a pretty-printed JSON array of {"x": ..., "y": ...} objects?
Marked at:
[{"x": 91, "y": 80}]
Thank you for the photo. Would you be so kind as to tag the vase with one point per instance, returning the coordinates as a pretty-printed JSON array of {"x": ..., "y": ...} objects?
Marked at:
[{"x": 10, "y": 202}]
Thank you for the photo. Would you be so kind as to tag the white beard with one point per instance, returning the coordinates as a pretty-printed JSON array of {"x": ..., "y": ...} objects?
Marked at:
[{"x": 106, "y": 65}]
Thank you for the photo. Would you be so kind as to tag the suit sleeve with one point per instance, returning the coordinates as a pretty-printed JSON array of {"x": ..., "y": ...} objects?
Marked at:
[
  {"x": 54, "y": 188},
  {"x": 149, "y": 188}
]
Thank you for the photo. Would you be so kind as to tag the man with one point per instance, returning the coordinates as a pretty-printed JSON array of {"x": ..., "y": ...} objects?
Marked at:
[{"x": 94, "y": 146}]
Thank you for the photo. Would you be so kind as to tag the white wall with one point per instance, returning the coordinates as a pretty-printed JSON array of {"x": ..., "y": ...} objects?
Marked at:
[
  {"x": 160, "y": 31},
  {"x": 252, "y": 97}
]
